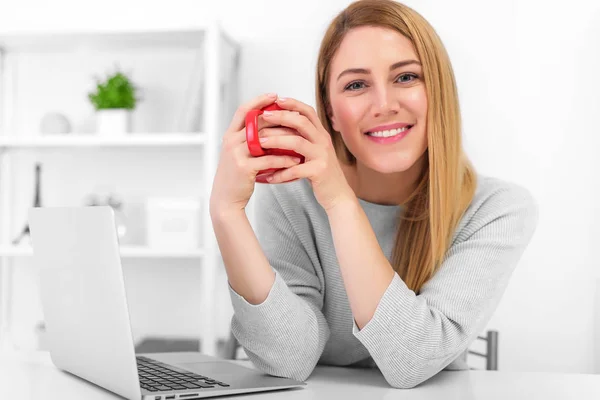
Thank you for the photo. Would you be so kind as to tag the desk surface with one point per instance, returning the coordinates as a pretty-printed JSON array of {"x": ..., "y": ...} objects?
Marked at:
[{"x": 35, "y": 377}]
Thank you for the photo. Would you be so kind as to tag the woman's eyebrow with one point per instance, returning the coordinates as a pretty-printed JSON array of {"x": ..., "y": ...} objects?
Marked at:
[{"x": 367, "y": 71}]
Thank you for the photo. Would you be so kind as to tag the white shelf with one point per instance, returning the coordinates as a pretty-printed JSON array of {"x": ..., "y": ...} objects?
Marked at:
[
  {"x": 89, "y": 140},
  {"x": 98, "y": 39},
  {"x": 126, "y": 252}
]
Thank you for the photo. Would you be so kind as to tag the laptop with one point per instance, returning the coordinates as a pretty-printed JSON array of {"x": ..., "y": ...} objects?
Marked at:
[{"x": 89, "y": 333}]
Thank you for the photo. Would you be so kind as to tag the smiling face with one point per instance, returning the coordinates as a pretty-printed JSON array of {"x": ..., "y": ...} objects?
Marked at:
[{"x": 378, "y": 99}]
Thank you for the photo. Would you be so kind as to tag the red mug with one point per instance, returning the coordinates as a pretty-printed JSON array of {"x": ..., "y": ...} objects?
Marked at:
[{"x": 254, "y": 144}]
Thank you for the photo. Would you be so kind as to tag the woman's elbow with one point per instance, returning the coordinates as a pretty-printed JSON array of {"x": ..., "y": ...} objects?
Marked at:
[
  {"x": 299, "y": 372},
  {"x": 409, "y": 378},
  {"x": 285, "y": 367},
  {"x": 404, "y": 382}
]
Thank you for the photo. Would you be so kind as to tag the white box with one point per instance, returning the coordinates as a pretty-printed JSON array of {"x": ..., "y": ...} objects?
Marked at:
[{"x": 173, "y": 223}]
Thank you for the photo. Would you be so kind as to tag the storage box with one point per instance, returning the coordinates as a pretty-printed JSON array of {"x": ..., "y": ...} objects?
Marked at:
[{"x": 173, "y": 223}]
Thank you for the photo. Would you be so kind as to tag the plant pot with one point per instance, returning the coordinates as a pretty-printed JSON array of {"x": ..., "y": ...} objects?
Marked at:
[{"x": 113, "y": 122}]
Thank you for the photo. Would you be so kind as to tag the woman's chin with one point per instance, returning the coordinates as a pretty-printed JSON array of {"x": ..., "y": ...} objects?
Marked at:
[{"x": 384, "y": 166}]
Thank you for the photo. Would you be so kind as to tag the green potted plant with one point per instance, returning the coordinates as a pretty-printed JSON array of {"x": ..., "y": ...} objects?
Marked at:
[{"x": 114, "y": 100}]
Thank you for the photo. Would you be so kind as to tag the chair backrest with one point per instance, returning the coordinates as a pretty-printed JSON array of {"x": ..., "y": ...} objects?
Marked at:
[
  {"x": 491, "y": 354},
  {"x": 230, "y": 347}
]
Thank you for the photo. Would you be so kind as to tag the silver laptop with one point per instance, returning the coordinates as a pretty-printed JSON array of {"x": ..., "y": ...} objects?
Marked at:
[{"x": 89, "y": 333}]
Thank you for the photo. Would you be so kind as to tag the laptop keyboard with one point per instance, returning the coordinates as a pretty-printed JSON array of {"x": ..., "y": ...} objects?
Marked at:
[{"x": 157, "y": 376}]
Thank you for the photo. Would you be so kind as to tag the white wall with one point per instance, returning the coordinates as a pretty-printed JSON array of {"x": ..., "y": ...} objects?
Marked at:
[{"x": 527, "y": 73}]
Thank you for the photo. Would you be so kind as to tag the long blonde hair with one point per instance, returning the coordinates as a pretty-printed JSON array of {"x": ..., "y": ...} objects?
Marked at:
[{"x": 447, "y": 185}]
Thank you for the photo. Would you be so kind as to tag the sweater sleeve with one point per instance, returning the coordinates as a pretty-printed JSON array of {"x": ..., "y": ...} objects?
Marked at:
[
  {"x": 284, "y": 335},
  {"x": 412, "y": 337}
]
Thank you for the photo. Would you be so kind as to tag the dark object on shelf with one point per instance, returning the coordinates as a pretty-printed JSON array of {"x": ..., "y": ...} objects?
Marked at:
[
  {"x": 491, "y": 356},
  {"x": 116, "y": 203},
  {"x": 37, "y": 202}
]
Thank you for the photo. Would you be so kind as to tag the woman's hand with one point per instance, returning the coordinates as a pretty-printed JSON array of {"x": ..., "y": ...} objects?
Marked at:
[
  {"x": 234, "y": 180},
  {"x": 321, "y": 164}
]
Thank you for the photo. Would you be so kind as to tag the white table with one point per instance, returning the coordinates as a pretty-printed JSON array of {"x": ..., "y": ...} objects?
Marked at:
[{"x": 35, "y": 377}]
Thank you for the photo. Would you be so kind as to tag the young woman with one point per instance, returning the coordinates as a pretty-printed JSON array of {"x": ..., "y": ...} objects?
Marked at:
[{"x": 386, "y": 248}]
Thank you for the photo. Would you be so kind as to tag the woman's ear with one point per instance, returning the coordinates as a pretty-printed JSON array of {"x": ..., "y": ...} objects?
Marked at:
[{"x": 332, "y": 118}]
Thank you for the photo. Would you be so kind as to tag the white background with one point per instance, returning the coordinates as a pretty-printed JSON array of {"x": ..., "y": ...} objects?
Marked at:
[{"x": 527, "y": 73}]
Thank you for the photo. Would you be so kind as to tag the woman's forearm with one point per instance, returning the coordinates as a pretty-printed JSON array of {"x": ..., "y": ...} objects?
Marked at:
[
  {"x": 365, "y": 270},
  {"x": 248, "y": 269},
  {"x": 282, "y": 333}
]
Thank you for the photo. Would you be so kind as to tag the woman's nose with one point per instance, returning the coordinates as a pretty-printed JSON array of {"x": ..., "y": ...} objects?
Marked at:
[{"x": 384, "y": 103}]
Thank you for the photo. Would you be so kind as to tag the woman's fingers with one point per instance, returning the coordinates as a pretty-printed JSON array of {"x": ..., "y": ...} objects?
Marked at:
[
  {"x": 278, "y": 131},
  {"x": 298, "y": 107},
  {"x": 239, "y": 137},
  {"x": 239, "y": 118},
  {"x": 295, "y": 121},
  {"x": 262, "y": 123},
  {"x": 291, "y": 142},
  {"x": 267, "y": 162},
  {"x": 295, "y": 172}
]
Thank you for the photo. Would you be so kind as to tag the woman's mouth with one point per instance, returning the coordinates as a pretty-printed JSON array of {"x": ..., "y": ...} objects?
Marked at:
[{"x": 389, "y": 136}]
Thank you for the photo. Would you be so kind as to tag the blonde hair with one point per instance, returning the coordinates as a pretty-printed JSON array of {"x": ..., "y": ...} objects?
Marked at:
[{"x": 447, "y": 185}]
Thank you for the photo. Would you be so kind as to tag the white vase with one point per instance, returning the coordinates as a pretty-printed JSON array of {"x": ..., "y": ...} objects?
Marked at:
[{"x": 113, "y": 122}]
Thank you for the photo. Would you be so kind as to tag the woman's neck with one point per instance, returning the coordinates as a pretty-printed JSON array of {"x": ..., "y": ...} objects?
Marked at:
[{"x": 385, "y": 189}]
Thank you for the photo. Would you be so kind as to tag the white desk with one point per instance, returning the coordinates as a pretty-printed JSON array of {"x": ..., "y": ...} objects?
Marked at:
[{"x": 35, "y": 377}]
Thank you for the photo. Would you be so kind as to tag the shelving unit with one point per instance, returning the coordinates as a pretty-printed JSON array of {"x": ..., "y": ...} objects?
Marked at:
[
  {"x": 126, "y": 252},
  {"x": 163, "y": 140},
  {"x": 220, "y": 56}
]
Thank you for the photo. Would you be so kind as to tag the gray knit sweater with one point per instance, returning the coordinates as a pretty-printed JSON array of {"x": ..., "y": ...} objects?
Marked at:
[{"x": 306, "y": 318}]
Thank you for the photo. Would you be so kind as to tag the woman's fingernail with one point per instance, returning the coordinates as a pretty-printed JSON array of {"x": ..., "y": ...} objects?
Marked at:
[
  {"x": 271, "y": 94},
  {"x": 263, "y": 139},
  {"x": 281, "y": 99},
  {"x": 268, "y": 113},
  {"x": 269, "y": 178},
  {"x": 296, "y": 159}
]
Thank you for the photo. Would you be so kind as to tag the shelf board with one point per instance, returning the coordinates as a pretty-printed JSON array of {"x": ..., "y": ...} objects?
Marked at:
[
  {"x": 90, "y": 140},
  {"x": 101, "y": 39},
  {"x": 126, "y": 252}
]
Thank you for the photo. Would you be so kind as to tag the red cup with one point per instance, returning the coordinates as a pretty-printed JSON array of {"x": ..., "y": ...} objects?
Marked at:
[{"x": 254, "y": 144}]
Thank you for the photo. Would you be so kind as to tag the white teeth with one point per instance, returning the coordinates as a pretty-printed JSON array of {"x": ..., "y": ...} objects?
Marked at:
[{"x": 392, "y": 132}]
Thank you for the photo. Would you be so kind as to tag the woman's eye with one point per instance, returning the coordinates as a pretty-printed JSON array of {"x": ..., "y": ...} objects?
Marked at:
[
  {"x": 354, "y": 85},
  {"x": 406, "y": 75},
  {"x": 357, "y": 85}
]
